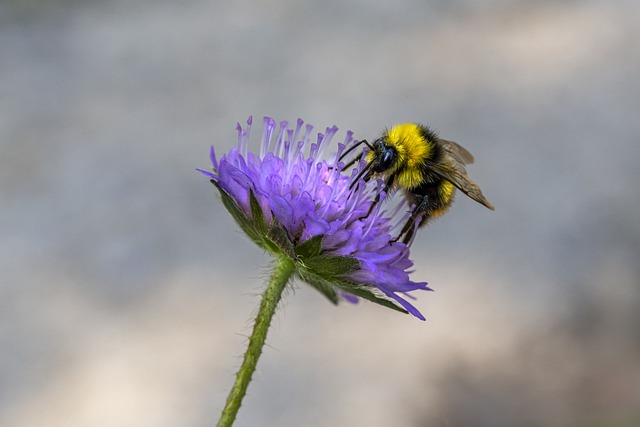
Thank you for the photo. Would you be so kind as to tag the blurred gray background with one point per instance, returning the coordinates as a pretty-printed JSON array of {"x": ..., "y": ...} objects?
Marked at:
[{"x": 126, "y": 290}]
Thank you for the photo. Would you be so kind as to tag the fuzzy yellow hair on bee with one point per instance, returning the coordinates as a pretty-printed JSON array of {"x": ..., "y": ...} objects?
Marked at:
[{"x": 426, "y": 167}]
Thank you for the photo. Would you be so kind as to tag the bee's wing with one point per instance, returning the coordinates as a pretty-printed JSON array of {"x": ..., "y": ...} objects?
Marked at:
[
  {"x": 457, "y": 151},
  {"x": 463, "y": 183}
]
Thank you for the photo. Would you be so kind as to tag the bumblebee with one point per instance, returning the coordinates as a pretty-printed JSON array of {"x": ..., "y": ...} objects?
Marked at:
[{"x": 427, "y": 168}]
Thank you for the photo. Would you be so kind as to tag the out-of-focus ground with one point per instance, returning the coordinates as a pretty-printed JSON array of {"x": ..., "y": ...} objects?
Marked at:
[{"x": 126, "y": 289}]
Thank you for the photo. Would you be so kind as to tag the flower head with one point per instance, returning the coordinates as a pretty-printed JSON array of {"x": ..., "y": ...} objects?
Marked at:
[{"x": 291, "y": 201}]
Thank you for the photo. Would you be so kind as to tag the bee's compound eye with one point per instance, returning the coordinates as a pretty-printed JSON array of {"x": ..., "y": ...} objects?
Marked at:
[{"x": 386, "y": 160}]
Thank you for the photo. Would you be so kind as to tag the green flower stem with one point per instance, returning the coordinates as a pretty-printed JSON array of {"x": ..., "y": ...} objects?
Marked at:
[{"x": 282, "y": 273}]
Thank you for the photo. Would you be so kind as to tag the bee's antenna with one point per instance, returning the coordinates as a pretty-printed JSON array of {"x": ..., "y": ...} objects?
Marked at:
[{"x": 354, "y": 146}]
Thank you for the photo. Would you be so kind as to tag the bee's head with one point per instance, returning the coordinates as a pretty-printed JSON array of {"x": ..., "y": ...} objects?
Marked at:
[{"x": 382, "y": 157}]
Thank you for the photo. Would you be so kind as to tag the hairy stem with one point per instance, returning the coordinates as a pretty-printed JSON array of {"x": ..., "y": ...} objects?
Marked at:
[{"x": 282, "y": 273}]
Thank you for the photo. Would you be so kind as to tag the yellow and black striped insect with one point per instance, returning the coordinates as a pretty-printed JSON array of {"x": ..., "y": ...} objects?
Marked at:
[{"x": 427, "y": 169}]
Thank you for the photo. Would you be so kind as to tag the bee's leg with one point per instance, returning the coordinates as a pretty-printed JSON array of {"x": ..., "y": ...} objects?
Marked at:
[
  {"x": 385, "y": 190},
  {"x": 410, "y": 233},
  {"x": 373, "y": 205},
  {"x": 410, "y": 226},
  {"x": 407, "y": 230},
  {"x": 358, "y": 176}
]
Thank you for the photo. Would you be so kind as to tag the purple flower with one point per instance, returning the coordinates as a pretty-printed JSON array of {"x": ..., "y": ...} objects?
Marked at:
[{"x": 292, "y": 202}]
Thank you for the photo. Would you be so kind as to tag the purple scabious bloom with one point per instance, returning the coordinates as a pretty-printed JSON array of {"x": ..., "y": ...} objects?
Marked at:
[{"x": 291, "y": 201}]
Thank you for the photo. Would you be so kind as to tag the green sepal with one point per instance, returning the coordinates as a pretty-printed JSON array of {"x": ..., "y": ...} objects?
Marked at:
[
  {"x": 323, "y": 286},
  {"x": 274, "y": 236},
  {"x": 271, "y": 237},
  {"x": 326, "y": 274},
  {"x": 331, "y": 267},
  {"x": 363, "y": 292},
  {"x": 258, "y": 216},
  {"x": 311, "y": 247},
  {"x": 245, "y": 223},
  {"x": 278, "y": 236},
  {"x": 327, "y": 287},
  {"x": 325, "y": 266},
  {"x": 321, "y": 271}
]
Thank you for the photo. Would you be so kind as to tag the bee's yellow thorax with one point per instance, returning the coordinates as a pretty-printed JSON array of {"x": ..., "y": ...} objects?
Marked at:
[{"x": 412, "y": 150}]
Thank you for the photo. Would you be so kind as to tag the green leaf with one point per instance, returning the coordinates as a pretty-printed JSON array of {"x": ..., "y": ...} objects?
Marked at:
[{"x": 310, "y": 248}]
